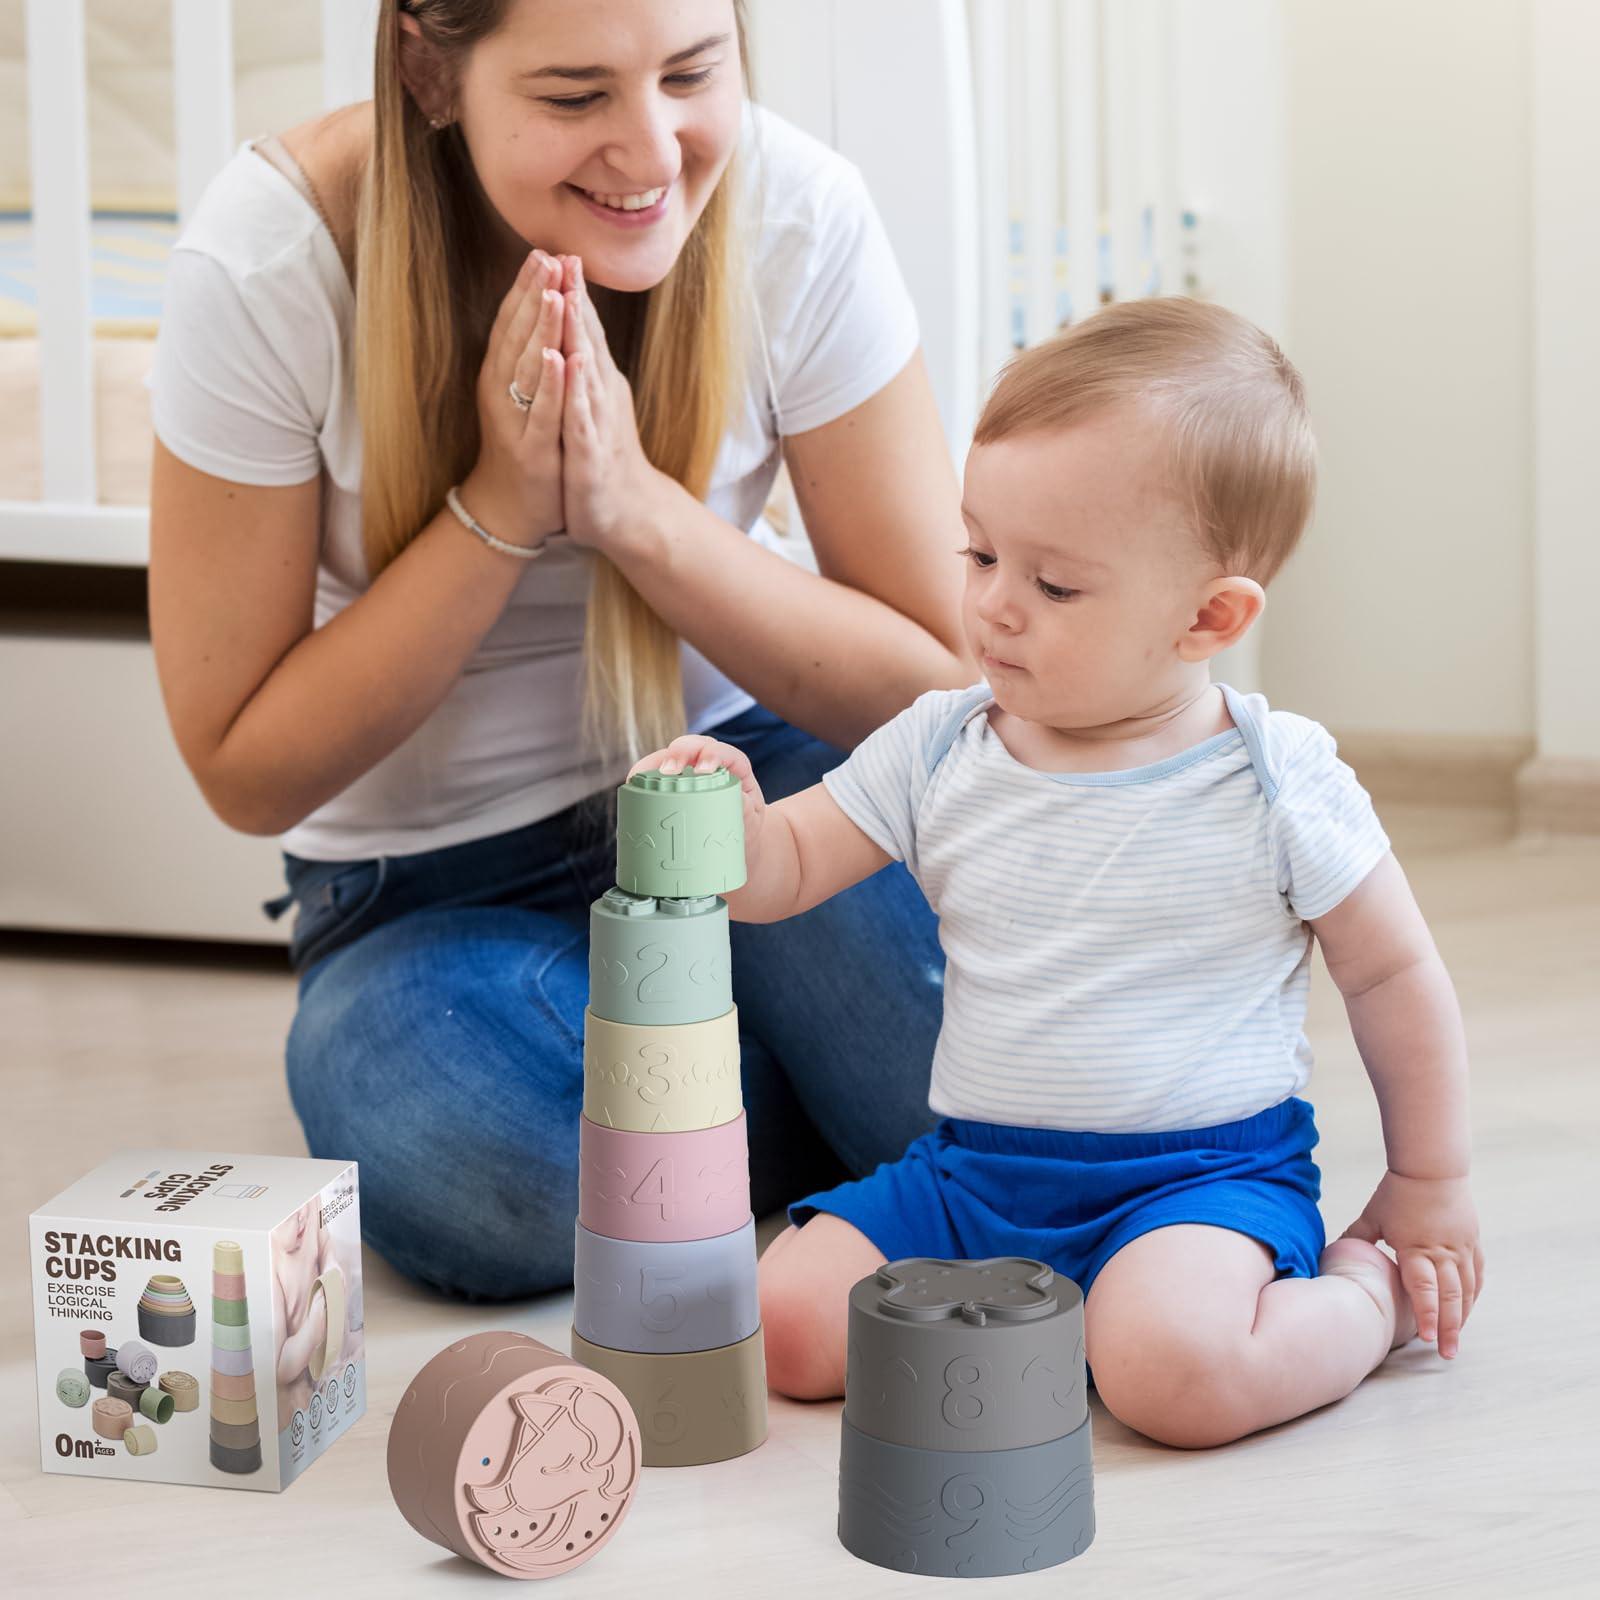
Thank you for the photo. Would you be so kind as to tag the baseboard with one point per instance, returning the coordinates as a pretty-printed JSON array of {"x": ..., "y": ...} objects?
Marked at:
[
  {"x": 1544, "y": 794},
  {"x": 1556, "y": 795},
  {"x": 1438, "y": 769}
]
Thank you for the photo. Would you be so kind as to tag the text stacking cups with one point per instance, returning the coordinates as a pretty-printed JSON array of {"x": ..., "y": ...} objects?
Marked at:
[
  {"x": 965, "y": 1438},
  {"x": 166, "y": 1313},
  {"x": 235, "y": 1425},
  {"x": 514, "y": 1456},
  {"x": 665, "y": 1258}
]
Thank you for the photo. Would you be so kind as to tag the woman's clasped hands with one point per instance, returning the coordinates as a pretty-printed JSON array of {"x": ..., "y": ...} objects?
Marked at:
[{"x": 559, "y": 447}]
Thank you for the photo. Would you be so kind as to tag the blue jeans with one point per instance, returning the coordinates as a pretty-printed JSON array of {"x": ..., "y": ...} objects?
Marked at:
[{"x": 439, "y": 1037}]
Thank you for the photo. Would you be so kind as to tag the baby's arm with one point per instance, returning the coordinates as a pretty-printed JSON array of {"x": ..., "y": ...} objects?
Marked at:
[
  {"x": 798, "y": 852},
  {"x": 1405, "y": 1019},
  {"x": 1407, "y": 1026}
]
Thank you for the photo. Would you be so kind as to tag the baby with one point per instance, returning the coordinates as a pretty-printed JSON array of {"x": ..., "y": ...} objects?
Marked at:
[{"x": 1130, "y": 863}]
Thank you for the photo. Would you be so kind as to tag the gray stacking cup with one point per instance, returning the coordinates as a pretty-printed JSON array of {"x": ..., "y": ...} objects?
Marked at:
[
  {"x": 966, "y": 1355},
  {"x": 965, "y": 1442}
]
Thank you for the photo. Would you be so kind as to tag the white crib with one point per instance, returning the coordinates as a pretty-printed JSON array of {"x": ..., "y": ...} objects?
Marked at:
[{"x": 1030, "y": 157}]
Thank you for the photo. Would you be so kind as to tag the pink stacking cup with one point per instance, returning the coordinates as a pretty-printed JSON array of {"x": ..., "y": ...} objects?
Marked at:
[{"x": 663, "y": 1187}]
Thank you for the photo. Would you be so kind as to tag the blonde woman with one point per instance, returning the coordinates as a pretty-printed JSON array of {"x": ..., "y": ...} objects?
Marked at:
[{"x": 468, "y": 402}]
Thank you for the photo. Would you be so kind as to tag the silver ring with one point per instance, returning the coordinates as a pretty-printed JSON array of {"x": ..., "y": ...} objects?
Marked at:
[{"x": 523, "y": 402}]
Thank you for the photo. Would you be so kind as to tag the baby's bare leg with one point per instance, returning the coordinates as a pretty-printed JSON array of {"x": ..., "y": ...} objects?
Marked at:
[
  {"x": 1194, "y": 1343},
  {"x": 805, "y": 1279}
]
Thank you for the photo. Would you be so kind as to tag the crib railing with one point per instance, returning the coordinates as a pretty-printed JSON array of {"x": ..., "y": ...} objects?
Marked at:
[
  {"x": 1078, "y": 160},
  {"x": 66, "y": 524},
  {"x": 59, "y": 157},
  {"x": 1022, "y": 152}
]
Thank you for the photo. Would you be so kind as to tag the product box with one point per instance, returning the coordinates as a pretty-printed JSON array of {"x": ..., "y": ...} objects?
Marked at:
[{"x": 198, "y": 1318}]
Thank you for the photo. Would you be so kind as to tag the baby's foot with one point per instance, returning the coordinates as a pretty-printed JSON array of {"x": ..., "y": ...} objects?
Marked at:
[{"x": 1379, "y": 1276}]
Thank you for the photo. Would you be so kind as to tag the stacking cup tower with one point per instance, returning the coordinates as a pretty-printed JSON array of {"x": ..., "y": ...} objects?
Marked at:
[
  {"x": 665, "y": 1258},
  {"x": 964, "y": 1449},
  {"x": 235, "y": 1424}
]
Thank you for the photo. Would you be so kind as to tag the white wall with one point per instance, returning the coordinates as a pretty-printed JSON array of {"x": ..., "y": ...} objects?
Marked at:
[
  {"x": 1232, "y": 172},
  {"x": 1566, "y": 362},
  {"x": 890, "y": 88},
  {"x": 1361, "y": 170},
  {"x": 1409, "y": 609}
]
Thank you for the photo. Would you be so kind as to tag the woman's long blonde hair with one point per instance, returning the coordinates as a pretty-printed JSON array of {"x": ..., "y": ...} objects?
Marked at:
[{"x": 424, "y": 305}]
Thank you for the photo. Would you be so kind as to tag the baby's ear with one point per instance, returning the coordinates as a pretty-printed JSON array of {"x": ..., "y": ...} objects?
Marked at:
[{"x": 1227, "y": 609}]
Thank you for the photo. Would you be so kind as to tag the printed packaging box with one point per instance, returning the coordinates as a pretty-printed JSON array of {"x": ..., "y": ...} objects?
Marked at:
[{"x": 198, "y": 1318}]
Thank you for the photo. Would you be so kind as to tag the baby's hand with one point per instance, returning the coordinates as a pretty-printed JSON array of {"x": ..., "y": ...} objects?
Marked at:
[
  {"x": 1431, "y": 1225},
  {"x": 704, "y": 754}
]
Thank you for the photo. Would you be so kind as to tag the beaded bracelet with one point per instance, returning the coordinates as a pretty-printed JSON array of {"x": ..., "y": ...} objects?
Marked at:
[{"x": 523, "y": 552}]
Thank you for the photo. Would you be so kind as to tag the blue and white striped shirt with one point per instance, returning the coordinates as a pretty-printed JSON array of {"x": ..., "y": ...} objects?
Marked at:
[{"x": 1125, "y": 951}]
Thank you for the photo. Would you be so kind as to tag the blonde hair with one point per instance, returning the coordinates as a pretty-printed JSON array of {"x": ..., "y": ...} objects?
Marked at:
[
  {"x": 1231, "y": 403},
  {"x": 425, "y": 302}
]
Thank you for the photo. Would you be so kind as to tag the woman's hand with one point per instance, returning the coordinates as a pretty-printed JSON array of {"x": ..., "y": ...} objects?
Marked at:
[
  {"x": 1431, "y": 1225},
  {"x": 611, "y": 487},
  {"x": 514, "y": 490},
  {"x": 705, "y": 754}
]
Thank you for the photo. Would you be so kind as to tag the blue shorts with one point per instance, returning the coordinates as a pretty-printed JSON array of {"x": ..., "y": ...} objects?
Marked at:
[{"x": 1072, "y": 1200}]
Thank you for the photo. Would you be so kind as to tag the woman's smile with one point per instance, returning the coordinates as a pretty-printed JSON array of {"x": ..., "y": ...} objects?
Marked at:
[{"x": 637, "y": 210}]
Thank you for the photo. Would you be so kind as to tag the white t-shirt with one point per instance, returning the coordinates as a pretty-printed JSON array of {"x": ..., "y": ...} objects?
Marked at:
[
  {"x": 1124, "y": 951},
  {"x": 254, "y": 381}
]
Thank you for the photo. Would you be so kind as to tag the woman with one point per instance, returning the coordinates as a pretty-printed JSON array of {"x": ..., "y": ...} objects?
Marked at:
[{"x": 434, "y": 559}]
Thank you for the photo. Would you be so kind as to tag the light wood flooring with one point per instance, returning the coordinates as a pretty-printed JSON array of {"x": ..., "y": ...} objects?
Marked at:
[{"x": 1477, "y": 1477}]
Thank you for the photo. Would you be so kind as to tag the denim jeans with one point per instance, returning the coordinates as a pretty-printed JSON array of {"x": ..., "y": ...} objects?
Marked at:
[{"x": 439, "y": 1035}]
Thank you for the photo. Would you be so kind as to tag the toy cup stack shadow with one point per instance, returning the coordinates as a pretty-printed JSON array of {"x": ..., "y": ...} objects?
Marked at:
[
  {"x": 964, "y": 1450},
  {"x": 665, "y": 1259}
]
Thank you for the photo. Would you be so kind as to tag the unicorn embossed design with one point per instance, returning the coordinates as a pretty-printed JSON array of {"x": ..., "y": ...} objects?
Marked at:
[{"x": 571, "y": 1464}]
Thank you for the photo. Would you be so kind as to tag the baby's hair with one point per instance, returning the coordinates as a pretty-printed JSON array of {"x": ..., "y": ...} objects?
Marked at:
[{"x": 1229, "y": 400}]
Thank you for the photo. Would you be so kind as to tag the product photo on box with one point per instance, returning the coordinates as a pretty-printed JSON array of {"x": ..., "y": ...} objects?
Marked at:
[{"x": 120, "y": 1263}]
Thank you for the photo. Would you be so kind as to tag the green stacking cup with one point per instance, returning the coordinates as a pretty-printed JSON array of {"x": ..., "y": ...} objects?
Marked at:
[
  {"x": 659, "y": 961},
  {"x": 680, "y": 835}
]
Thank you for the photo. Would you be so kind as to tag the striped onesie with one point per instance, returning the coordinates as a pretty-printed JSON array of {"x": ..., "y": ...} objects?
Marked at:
[{"x": 1125, "y": 951}]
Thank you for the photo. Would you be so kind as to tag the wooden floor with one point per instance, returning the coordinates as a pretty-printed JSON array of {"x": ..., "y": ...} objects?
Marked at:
[{"x": 1472, "y": 1478}]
